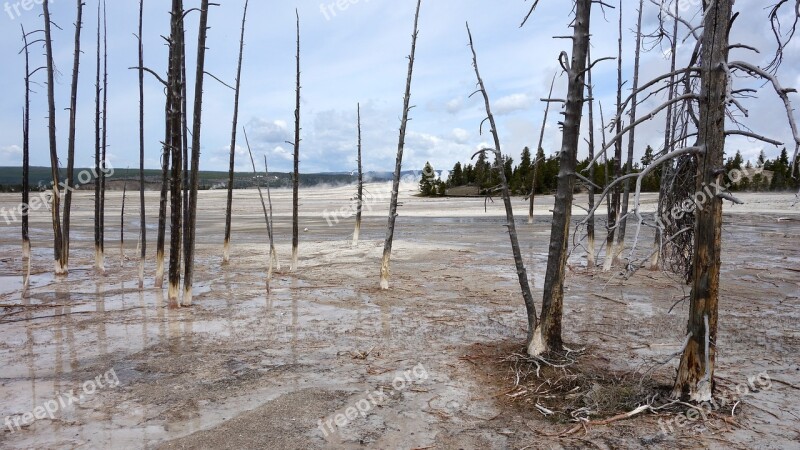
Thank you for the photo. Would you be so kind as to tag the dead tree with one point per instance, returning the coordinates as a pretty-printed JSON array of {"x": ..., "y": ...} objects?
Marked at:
[
  {"x": 620, "y": 236},
  {"x": 55, "y": 207},
  {"x": 228, "y": 211},
  {"x": 175, "y": 144},
  {"x": 267, "y": 214},
  {"x": 615, "y": 200},
  {"x": 590, "y": 254},
  {"x": 538, "y": 148},
  {"x": 122, "y": 226},
  {"x": 104, "y": 144},
  {"x": 360, "y": 193},
  {"x": 296, "y": 173},
  {"x": 547, "y": 337},
  {"x": 26, "y": 123},
  {"x": 98, "y": 261},
  {"x": 522, "y": 273},
  {"x": 387, "y": 245},
  {"x": 273, "y": 254},
  {"x": 195, "y": 170},
  {"x": 142, "y": 214},
  {"x": 73, "y": 112}
]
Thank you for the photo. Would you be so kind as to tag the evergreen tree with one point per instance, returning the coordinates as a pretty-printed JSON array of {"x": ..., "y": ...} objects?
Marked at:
[{"x": 427, "y": 182}]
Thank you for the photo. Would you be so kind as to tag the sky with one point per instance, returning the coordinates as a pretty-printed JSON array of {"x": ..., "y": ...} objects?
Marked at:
[{"x": 357, "y": 53}]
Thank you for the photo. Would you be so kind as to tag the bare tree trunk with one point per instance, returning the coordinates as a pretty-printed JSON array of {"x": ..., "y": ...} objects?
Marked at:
[
  {"x": 58, "y": 247},
  {"x": 522, "y": 274},
  {"x": 98, "y": 261},
  {"x": 695, "y": 378},
  {"x": 267, "y": 218},
  {"x": 226, "y": 249},
  {"x": 184, "y": 128},
  {"x": 165, "y": 177},
  {"x": 71, "y": 143},
  {"x": 613, "y": 211},
  {"x": 122, "y": 226},
  {"x": 26, "y": 122},
  {"x": 360, "y": 194},
  {"x": 547, "y": 336},
  {"x": 104, "y": 145},
  {"x": 195, "y": 170},
  {"x": 296, "y": 176},
  {"x": 142, "y": 215},
  {"x": 175, "y": 143},
  {"x": 620, "y": 237},
  {"x": 539, "y": 147},
  {"x": 274, "y": 264},
  {"x": 590, "y": 255},
  {"x": 387, "y": 245}
]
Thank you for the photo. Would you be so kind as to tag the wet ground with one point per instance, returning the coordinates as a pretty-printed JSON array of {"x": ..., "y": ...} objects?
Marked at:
[{"x": 327, "y": 360}]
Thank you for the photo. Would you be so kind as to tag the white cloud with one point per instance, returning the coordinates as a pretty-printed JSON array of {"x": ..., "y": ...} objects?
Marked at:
[
  {"x": 460, "y": 135},
  {"x": 511, "y": 103},
  {"x": 455, "y": 105},
  {"x": 10, "y": 150},
  {"x": 276, "y": 131}
]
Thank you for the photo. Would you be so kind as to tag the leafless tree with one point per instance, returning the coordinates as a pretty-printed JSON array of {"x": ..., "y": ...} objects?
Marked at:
[
  {"x": 360, "y": 193},
  {"x": 228, "y": 211},
  {"x": 104, "y": 144},
  {"x": 536, "y": 161},
  {"x": 522, "y": 273},
  {"x": 590, "y": 254},
  {"x": 122, "y": 226},
  {"x": 98, "y": 260},
  {"x": 267, "y": 214},
  {"x": 142, "y": 213},
  {"x": 615, "y": 200},
  {"x": 175, "y": 144},
  {"x": 296, "y": 173},
  {"x": 58, "y": 243},
  {"x": 387, "y": 246},
  {"x": 26, "y": 126},
  {"x": 73, "y": 112}
]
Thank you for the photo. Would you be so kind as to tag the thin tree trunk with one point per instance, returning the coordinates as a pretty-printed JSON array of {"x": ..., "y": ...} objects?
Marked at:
[
  {"x": 613, "y": 212},
  {"x": 142, "y": 215},
  {"x": 539, "y": 147},
  {"x": 226, "y": 254},
  {"x": 175, "y": 143},
  {"x": 184, "y": 128},
  {"x": 522, "y": 274},
  {"x": 274, "y": 264},
  {"x": 26, "y": 121},
  {"x": 98, "y": 262},
  {"x": 387, "y": 246},
  {"x": 296, "y": 176},
  {"x": 71, "y": 143},
  {"x": 267, "y": 219},
  {"x": 620, "y": 237},
  {"x": 547, "y": 336},
  {"x": 695, "y": 378},
  {"x": 122, "y": 226},
  {"x": 195, "y": 170},
  {"x": 104, "y": 145},
  {"x": 165, "y": 175},
  {"x": 590, "y": 256},
  {"x": 360, "y": 193},
  {"x": 58, "y": 247}
]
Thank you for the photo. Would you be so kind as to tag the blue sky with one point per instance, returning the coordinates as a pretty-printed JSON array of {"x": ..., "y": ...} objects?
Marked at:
[{"x": 357, "y": 55}]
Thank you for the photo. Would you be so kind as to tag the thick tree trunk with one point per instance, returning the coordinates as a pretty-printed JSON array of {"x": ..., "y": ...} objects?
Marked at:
[
  {"x": 398, "y": 167},
  {"x": 360, "y": 193},
  {"x": 195, "y": 170},
  {"x": 547, "y": 336},
  {"x": 590, "y": 255},
  {"x": 695, "y": 378},
  {"x": 73, "y": 107},
  {"x": 175, "y": 143},
  {"x": 226, "y": 253},
  {"x": 26, "y": 122},
  {"x": 522, "y": 273},
  {"x": 539, "y": 147},
  {"x": 614, "y": 206},
  {"x": 620, "y": 245},
  {"x": 58, "y": 243},
  {"x": 296, "y": 173},
  {"x": 142, "y": 215}
]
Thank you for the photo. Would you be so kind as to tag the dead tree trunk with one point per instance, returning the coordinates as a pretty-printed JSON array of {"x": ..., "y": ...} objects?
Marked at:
[
  {"x": 548, "y": 334},
  {"x": 360, "y": 193},
  {"x": 104, "y": 144},
  {"x": 165, "y": 174},
  {"x": 226, "y": 249},
  {"x": 175, "y": 143},
  {"x": 26, "y": 122},
  {"x": 71, "y": 142},
  {"x": 122, "y": 226},
  {"x": 195, "y": 170},
  {"x": 590, "y": 255},
  {"x": 614, "y": 207},
  {"x": 695, "y": 378},
  {"x": 58, "y": 243},
  {"x": 142, "y": 215},
  {"x": 387, "y": 245},
  {"x": 296, "y": 176},
  {"x": 98, "y": 262},
  {"x": 274, "y": 264},
  {"x": 620, "y": 245},
  {"x": 522, "y": 274},
  {"x": 539, "y": 147},
  {"x": 267, "y": 214}
]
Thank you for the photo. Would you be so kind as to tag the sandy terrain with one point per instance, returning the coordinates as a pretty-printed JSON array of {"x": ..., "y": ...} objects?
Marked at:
[{"x": 415, "y": 367}]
